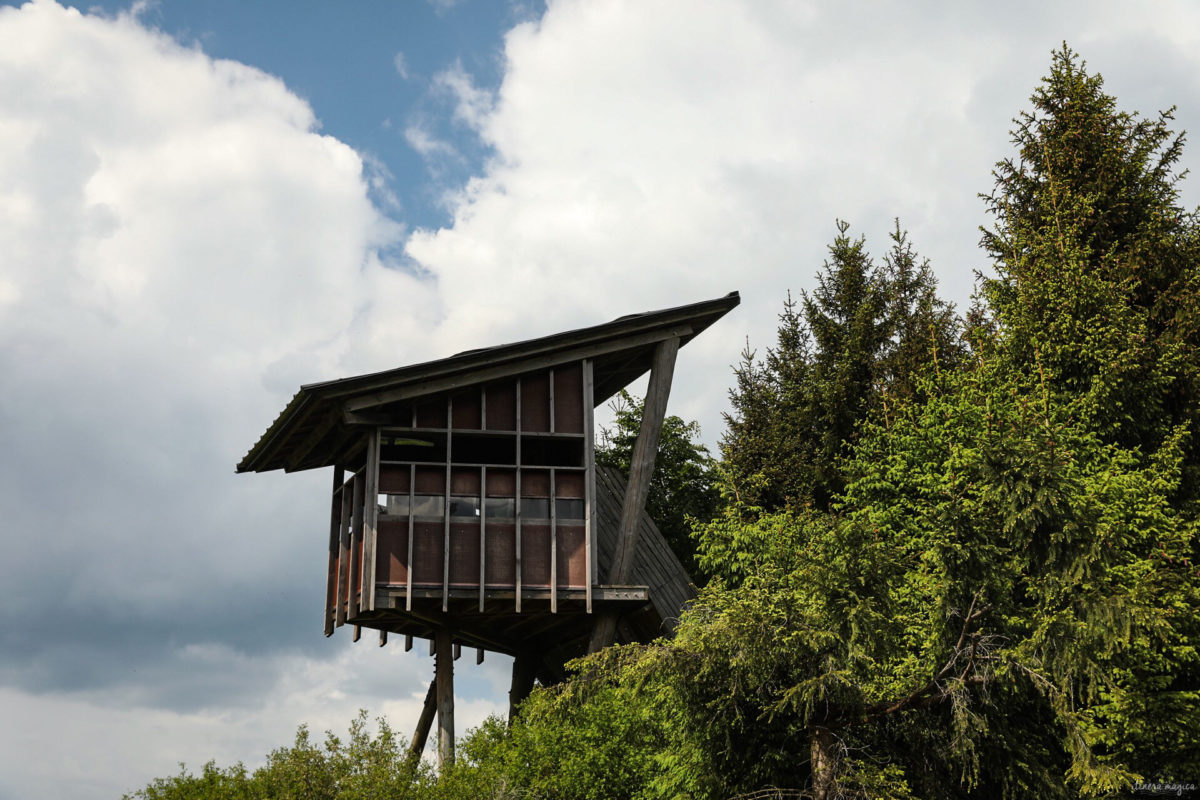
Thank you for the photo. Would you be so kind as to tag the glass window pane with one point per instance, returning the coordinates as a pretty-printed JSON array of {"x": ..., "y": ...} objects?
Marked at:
[
  {"x": 535, "y": 507},
  {"x": 464, "y": 507},
  {"x": 566, "y": 508},
  {"x": 396, "y": 504},
  {"x": 428, "y": 505},
  {"x": 499, "y": 507}
]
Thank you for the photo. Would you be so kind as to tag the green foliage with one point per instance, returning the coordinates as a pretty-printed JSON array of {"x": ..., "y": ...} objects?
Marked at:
[
  {"x": 861, "y": 341},
  {"x": 684, "y": 484},
  {"x": 364, "y": 767}
]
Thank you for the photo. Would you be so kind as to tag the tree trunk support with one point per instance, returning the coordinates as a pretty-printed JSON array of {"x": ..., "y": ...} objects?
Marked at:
[
  {"x": 524, "y": 668},
  {"x": 445, "y": 698},
  {"x": 641, "y": 469}
]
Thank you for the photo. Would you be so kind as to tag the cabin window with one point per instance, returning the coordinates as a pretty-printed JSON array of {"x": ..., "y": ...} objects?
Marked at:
[
  {"x": 567, "y": 508},
  {"x": 535, "y": 507},
  {"x": 499, "y": 507},
  {"x": 464, "y": 507},
  {"x": 394, "y": 504},
  {"x": 429, "y": 505}
]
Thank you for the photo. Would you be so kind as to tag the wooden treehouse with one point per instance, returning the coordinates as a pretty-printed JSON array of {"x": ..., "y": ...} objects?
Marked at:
[{"x": 467, "y": 509}]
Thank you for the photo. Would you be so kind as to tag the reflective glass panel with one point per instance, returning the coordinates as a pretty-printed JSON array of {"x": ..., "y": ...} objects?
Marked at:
[
  {"x": 567, "y": 508},
  {"x": 498, "y": 507},
  {"x": 396, "y": 504},
  {"x": 464, "y": 507},
  {"x": 428, "y": 505},
  {"x": 535, "y": 507}
]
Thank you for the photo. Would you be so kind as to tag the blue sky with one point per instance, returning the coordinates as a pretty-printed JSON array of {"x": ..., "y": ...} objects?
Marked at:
[
  {"x": 205, "y": 205},
  {"x": 367, "y": 70}
]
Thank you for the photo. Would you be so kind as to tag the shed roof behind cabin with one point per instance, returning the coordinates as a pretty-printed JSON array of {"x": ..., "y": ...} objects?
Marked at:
[{"x": 311, "y": 430}]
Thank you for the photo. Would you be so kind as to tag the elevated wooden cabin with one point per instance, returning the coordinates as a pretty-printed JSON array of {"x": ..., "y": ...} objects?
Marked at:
[{"x": 466, "y": 506}]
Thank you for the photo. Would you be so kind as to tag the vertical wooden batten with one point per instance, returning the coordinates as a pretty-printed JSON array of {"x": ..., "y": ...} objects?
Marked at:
[
  {"x": 589, "y": 491},
  {"x": 517, "y": 504},
  {"x": 446, "y": 508},
  {"x": 331, "y": 578},
  {"x": 357, "y": 550},
  {"x": 344, "y": 552},
  {"x": 370, "y": 509}
]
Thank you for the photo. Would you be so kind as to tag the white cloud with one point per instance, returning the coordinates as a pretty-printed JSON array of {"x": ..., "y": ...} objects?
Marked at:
[
  {"x": 653, "y": 154},
  {"x": 401, "y": 65},
  {"x": 182, "y": 249},
  {"x": 472, "y": 105}
]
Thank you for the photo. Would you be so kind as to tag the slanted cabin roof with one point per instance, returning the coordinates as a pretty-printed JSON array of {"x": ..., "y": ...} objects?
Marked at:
[{"x": 317, "y": 426}]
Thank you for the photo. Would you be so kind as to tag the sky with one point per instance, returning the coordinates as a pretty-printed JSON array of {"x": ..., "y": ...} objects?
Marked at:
[{"x": 205, "y": 205}]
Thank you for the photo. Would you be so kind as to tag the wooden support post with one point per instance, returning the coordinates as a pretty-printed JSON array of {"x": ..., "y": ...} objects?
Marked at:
[
  {"x": 589, "y": 472},
  {"x": 478, "y": 655},
  {"x": 331, "y": 588},
  {"x": 382, "y": 638},
  {"x": 424, "y": 722},
  {"x": 370, "y": 520},
  {"x": 407, "y": 642},
  {"x": 445, "y": 698},
  {"x": 641, "y": 469},
  {"x": 523, "y": 672}
]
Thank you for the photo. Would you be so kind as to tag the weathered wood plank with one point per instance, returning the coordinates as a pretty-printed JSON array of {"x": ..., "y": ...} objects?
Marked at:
[
  {"x": 589, "y": 493},
  {"x": 445, "y": 698},
  {"x": 331, "y": 579},
  {"x": 370, "y": 514}
]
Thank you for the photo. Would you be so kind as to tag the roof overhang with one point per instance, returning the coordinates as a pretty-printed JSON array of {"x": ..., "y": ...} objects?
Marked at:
[{"x": 621, "y": 351}]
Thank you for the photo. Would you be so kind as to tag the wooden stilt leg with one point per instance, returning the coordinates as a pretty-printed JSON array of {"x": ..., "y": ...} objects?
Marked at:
[
  {"x": 445, "y": 698},
  {"x": 524, "y": 668},
  {"x": 424, "y": 723}
]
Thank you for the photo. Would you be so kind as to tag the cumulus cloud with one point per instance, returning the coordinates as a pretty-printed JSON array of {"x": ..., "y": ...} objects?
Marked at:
[
  {"x": 652, "y": 154},
  {"x": 182, "y": 249}
]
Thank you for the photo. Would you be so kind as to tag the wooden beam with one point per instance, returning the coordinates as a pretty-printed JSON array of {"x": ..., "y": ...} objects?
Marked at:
[
  {"x": 445, "y": 698},
  {"x": 589, "y": 473},
  {"x": 331, "y": 581},
  {"x": 641, "y": 469},
  {"x": 446, "y": 508},
  {"x": 357, "y": 543},
  {"x": 517, "y": 504},
  {"x": 344, "y": 552},
  {"x": 370, "y": 512},
  {"x": 424, "y": 722}
]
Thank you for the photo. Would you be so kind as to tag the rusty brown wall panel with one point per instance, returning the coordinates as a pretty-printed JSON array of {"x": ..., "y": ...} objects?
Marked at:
[
  {"x": 464, "y": 554},
  {"x": 501, "y": 483},
  {"x": 431, "y": 480},
  {"x": 568, "y": 399},
  {"x": 501, "y": 553},
  {"x": 502, "y": 406},
  {"x": 393, "y": 479},
  {"x": 568, "y": 485},
  {"x": 428, "y": 545},
  {"x": 392, "y": 553},
  {"x": 431, "y": 412},
  {"x": 465, "y": 481},
  {"x": 466, "y": 409},
  {"x": 535, "y": 483},
  {"x": 572, "y": 559},
  {"x": 535, "y": 555},
  {"x": 535, "y": 402}
]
